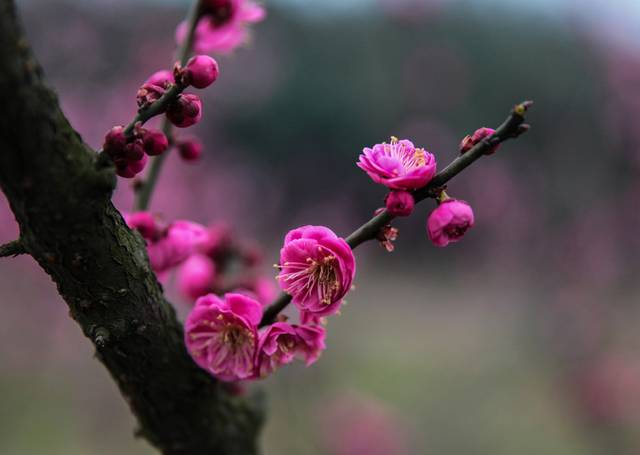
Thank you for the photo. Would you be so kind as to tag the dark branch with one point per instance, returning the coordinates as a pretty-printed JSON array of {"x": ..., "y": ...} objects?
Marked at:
[
  {"x": 62, "y": 202},
  {"x": 512, "y": 127},
  {"x": 14, "y": 248}
]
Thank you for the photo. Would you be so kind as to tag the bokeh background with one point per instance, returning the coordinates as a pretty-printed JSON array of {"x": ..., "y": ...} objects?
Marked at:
[{"x": 522, "y": 338}]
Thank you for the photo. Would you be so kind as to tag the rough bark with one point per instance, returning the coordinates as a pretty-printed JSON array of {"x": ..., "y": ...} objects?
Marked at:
[{"x": 61, "y": 197}]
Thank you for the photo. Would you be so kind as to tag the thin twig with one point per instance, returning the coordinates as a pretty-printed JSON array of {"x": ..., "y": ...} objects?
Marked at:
[
  {"x": 14, "y": 248},
  {"x": 144, "y": 190},
  {"x": 512, "y": 127}
]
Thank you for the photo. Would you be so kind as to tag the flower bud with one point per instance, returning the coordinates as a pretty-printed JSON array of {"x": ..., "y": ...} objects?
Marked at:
[
  {"x": 154, "y": 142},
  {"x": 201, "y": 71},
  {"x": 449, "y": 222},
  {"x": 399, "y": 203},
  {"x": 471, "y": 141},
  {"x": 185, "y": 111},
  {"x": 138, "y": 166},
  {"x": 148, "y": 94},
  {"x": 190, "y": 150},
  {"x": 134, "y": 150},
  {"x": 115, "y": 142},
  {"x": 162, "y": 79}
]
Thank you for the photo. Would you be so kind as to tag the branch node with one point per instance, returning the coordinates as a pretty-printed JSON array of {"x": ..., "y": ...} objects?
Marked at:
[{"x": 101, "y": 337}]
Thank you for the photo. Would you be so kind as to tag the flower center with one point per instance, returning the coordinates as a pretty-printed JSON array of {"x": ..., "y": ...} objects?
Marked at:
[
  {"x": 221, "y": 11},
  {"x": 313, "y": 275},
  {"x": 235, "y": 337}
]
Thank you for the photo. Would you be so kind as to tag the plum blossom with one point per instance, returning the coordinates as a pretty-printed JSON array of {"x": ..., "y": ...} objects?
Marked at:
[
  {"x": 281, "y": 342},
  {"x": 221, "y": 335},
  {"x": 449, "y": 222},
  {"x": 167, "y": 246},
  {"x": 222, "y": 25},
  {"x": 398, "y": 165},
  {"x": 316, "y": 268}
]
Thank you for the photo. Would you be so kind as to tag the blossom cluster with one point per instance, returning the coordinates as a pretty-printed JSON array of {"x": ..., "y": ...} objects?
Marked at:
[
  {"x": 222, "y": 337},
  {"x": 317, "y": 269},
  {"x": 130, "y": 150},
  {"x": 404, "y": 168}
]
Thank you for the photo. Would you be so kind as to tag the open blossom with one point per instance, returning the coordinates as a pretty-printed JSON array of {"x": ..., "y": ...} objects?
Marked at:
[
  {"x": 221, "y": 335},
  {"x": 281, "y": 343},
  {"x": 316, "y": 268},
  {"x": 470, "y": 141},
  {"x": 449, "y": 222},
  {"x": 398, "y": 165},
  {"x": 222, "y": 25}
]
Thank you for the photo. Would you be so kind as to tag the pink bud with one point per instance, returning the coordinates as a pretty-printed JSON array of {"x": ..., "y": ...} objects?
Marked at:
[
  {"x": 162, "y": 78},
  {"x": 471, "y": 141},
  {"x": 201, "y": 71},
  {"x": 190, "y": 150},
  {"x": 155, "y": 142},
  {"x": 148, "y": 94},
  {"x": 134, "y": 150},
  {"x": 399, "y": 203},
  {"x": 129, "y": 169},
  {"x": 138, "y": 166},
  {"x": 449, "y": 222},
  {"x": 185, "y": 111},
  {"x": 124, "y": 171},
  {"x": 115, "y": 142}
]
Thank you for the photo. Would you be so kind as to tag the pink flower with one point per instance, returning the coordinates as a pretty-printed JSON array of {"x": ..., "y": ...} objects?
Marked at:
[
  {"x": 196, "y": 276},
  {"x": 200, "y": 71},
  {"x": 280, "y": 343},
  {"x": 398, "y": 165},
  {"x": 185, "y": 111},
  {"x": 316, "y": 268},
  {"x": 221, "y": 335},
  {"x": 190, "y": 150},
  {"x": 222, "y": 26},
  {"x": 449, "y": 222},
  {"x": 470, "y": 141},
  {"x": 180, "y": 240},
  {"x": 399, "y": 203}
]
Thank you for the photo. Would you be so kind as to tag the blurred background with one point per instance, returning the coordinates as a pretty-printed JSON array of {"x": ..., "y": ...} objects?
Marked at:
[{"x": 522, "y": 338}]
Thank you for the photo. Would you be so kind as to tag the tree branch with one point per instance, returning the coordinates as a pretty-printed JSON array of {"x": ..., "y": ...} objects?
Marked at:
[
  {"x": 61, "y": 201},
  {"x": 14, "y": 248},
  {"x": 512, "y": 127}
]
